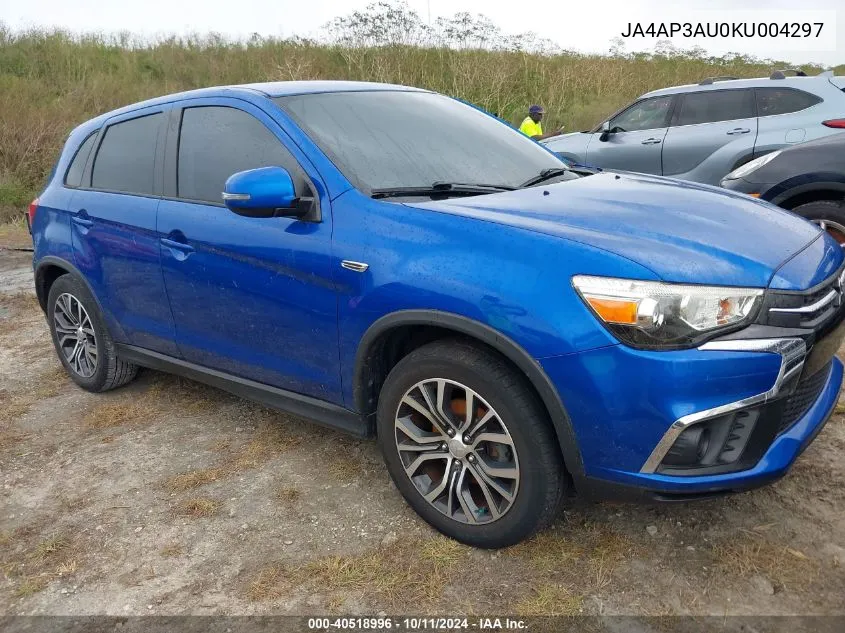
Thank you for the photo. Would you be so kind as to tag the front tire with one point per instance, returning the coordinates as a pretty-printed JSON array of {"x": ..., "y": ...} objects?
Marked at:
[
  {"x": 469, "y": 445},
  {"x": 828, "y": 214},
  {"x": 81, "y": 339}
]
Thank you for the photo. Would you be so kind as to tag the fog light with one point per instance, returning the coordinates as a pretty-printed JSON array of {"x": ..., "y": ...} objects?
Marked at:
[
  {"x": 689, "y": 448},
  {"x": 718, "y": 443}
]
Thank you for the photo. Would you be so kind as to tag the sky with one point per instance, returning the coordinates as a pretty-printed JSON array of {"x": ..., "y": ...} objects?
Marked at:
[{"x": 572, "y": 25}]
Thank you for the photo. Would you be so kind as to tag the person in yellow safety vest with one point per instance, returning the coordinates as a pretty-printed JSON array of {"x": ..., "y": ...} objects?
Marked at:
[{"x": 532, "y": 127}]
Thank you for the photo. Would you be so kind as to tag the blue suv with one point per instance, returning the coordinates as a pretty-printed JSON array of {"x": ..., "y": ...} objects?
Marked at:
[{"x": 395, "y": 263}]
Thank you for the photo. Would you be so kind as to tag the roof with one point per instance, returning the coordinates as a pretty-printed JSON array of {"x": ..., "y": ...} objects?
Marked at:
[
  {"x": 266, "y": 89},
  {"x": 287, "y": 88},
  {"x": 792, "y": 82}
]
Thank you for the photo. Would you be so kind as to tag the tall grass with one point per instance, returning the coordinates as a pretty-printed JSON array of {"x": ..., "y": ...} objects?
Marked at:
[{"x": 51, "y": 81}]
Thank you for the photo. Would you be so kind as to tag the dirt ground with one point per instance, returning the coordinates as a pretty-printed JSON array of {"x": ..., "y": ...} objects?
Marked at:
[{"x": 167, "y": 497}]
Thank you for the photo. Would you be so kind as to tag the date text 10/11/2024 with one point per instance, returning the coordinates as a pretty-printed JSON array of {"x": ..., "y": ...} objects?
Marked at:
[{"x": 415, "y": 624}]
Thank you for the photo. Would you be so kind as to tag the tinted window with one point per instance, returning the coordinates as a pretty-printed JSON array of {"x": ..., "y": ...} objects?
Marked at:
[
  {"x": 216, "y": 142},
  {"x": 645, "y": 115},
  {"x": 73, "y": 177},
  {"x": 717, "y": 105},
  {"x": 783, "y": 100},
  {"x": 413, "y": 139},
  {"x": 126, "y": 158}
]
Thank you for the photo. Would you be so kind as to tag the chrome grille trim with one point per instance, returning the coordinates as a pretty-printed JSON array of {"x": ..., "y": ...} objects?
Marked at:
[
  {"x": 792, "y": 352},
  {"x": 813, "y": 307}
]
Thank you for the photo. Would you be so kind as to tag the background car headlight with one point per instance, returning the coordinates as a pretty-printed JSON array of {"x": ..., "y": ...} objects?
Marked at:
[
  {"x": 657, "y": 315},
  {"x": 752, "y": 166}
]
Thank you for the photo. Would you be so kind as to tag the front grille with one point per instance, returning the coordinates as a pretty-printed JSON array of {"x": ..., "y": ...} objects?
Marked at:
[
  {"x": 805, "y": 394},
  {"x": 811, "y": 309}
]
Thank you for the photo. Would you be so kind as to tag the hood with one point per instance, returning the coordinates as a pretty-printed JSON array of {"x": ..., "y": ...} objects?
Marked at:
[
  {"x": 563, "y": 137},
  {"x": 683, "y": 232},
  {"x": 573, "y": 143}
]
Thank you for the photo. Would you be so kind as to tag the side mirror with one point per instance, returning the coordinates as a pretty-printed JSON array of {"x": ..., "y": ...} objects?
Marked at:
[
  {"x": 605, "y": 131},
  {"x": 266, "y": 192}
]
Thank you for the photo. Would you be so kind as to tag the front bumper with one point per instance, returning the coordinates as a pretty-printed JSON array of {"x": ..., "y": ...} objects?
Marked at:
[
  {"x": 628, "y": 407},
  {"x": 774, "y": 463},
  {"x": 740, "y": 185}
]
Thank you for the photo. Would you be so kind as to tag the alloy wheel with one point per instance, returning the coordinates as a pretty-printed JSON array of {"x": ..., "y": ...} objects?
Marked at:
[
  {"x": 457, "y": 451},
  {"x": 75, "y": 335},
  {"x": 836, "y": 230}
]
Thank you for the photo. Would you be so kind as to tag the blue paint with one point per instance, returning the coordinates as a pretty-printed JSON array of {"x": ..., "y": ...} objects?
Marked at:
[
  {"x": 624, "y": 400},
  {"x": 774, "y": 464},
  {"x": 267, "y": 298},
  {"x": 262, "y": 188}
]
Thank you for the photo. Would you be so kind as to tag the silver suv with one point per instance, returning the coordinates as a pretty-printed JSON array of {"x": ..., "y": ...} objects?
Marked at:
[{"x": 701, "y": 132}]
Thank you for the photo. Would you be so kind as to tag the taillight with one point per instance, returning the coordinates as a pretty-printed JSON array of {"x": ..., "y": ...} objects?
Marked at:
[
  {"x": 837, "y": 123},
  {"x": 30, "y": 214}
]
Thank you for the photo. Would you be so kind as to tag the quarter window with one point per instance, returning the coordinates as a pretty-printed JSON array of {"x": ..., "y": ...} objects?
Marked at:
[
  {"x": 126, "y": 159},
  {"x": 714, "y": 106},
  {"x": 645, "y": 115},
  {"x": 216, "y": 142},
  {"x": 73, "y": 177},
  {"x": 783, "y": 101}
]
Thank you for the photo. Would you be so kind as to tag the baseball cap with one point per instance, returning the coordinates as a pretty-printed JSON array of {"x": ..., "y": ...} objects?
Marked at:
[{"x": 536, "y": 109}]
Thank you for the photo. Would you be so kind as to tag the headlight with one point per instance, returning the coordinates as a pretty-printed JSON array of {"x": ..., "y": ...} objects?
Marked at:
[
  {"x": 751, "y": 166},
  {"x": 657, "y": 315}
]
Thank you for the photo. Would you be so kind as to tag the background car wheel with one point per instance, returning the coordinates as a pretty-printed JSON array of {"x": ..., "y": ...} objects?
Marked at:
[
  {"x": 469, "y": 446},
  {"x": 81, "y": 339},
  {"x": 828, "y": 214}
]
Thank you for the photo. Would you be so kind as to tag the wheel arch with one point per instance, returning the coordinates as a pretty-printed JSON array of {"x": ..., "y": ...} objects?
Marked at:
[
  {"x": 811, "y": 192},
  {"x": 429, "y": 325},
  {"x": 49, "y": 269}
]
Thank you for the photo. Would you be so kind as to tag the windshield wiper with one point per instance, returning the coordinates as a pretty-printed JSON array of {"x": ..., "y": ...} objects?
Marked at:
[
  {"x": 452, "y": 185},
  {"x": 440, "y": 189},
  {"x": 546, "y": 174}
]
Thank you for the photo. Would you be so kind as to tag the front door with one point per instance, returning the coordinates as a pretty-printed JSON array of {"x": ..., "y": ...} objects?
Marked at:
[
  {"x": 636, "y": 139},
  {"x": 253, "y": 297}
]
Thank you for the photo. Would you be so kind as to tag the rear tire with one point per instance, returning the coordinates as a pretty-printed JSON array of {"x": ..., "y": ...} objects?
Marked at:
[
  {"x": 517, "y": 442},
  {"x": 81, "y": 339},
  {"x": 828, "y": 214}
]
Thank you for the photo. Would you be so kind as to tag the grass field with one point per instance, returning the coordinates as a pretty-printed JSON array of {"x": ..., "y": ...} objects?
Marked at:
[
  {"x": 167, "y": 497},
  {"x": 52, "y": 81}
]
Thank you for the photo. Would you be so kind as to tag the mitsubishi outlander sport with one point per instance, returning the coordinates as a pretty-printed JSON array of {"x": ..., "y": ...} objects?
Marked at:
[{"x": 394, "y": 263}]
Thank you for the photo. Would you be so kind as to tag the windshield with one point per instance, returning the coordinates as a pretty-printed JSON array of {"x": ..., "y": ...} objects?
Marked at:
[{"x": 382, "y": 140}]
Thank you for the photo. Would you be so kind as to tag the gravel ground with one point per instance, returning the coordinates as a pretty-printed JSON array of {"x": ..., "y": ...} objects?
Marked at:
[{"x": 167, "y": 497}]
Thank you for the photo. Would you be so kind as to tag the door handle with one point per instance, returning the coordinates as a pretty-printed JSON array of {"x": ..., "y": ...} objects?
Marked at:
[
  {"x": 80, "y": 218},
  {"x": 177, "y": 246},
  {"x": 738, "y": 130},
  {"x": 651, "y": 141}
]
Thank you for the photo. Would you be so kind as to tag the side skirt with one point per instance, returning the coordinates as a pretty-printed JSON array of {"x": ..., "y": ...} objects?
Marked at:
[{"x": 318, "y": 411}]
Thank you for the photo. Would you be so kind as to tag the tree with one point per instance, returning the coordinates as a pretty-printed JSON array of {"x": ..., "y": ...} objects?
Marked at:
[{"x": 379, "y": 24}]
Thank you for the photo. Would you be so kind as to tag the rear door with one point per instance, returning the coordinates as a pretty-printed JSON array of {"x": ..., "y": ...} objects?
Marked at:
[
  {"x": 787, "y": 116},
  {"x": 113, "y": 228},
  {"x": 712, "y": 131},
  {"x": 253, "y": 297},
  {"x": 637, "y": 143}
]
